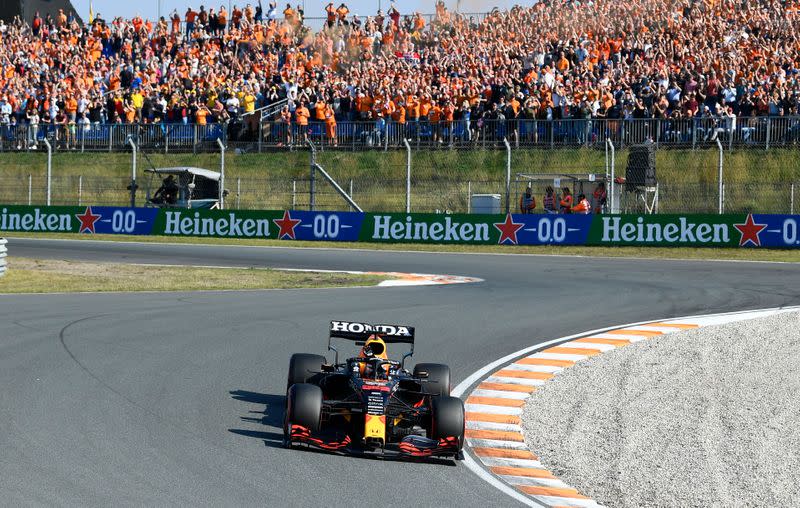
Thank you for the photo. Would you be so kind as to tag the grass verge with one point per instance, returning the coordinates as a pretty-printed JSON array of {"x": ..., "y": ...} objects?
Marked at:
[
  {"x": 55, "y": 276},
  {"x": 727, "y": 254}
]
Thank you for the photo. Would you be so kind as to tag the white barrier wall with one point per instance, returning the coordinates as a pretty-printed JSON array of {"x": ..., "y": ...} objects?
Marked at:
[{"x": 3, "y": 251}]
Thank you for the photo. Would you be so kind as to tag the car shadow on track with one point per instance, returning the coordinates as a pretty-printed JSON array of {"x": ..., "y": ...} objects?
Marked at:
[{"x": 271, "y": 416}]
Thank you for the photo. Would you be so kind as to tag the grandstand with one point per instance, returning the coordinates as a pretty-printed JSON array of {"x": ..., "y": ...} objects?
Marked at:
[{"x": 556, "y": 73}]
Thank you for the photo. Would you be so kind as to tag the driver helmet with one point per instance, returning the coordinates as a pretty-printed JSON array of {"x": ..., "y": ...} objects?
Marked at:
[{"x": 374, "y": 347}]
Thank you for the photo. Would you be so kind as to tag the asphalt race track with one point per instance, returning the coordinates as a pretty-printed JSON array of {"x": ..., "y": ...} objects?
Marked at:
[{"x": 176, "y": 398}]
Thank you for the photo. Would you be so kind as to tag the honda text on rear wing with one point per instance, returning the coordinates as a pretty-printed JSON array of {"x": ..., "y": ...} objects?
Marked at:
[{"x": 360, "y": 332}]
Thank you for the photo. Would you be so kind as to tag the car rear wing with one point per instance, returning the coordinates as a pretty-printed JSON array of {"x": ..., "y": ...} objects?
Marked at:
[
  {"x": 391, "y": 334},
  {"x": 360, "y": 332}
]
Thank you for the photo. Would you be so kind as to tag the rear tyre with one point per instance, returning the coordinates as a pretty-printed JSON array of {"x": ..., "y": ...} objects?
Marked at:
[
  {"x": 438, "y": 380},
  {"x": 303, "y": 367},
  {"x": 303, "y": 407},
  {"x": 447, "y": 418}
]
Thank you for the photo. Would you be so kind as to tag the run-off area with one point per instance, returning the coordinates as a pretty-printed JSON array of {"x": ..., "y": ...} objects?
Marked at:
[{"x": 707, "y": 417}]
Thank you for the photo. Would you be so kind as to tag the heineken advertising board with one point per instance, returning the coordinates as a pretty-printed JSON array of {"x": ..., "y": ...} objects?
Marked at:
[{"x": 731, "y": 230}]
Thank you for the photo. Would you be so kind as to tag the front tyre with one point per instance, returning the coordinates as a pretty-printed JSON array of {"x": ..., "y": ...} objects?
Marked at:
[
  {"x": 447, "y": 419},
  {"x": 303, "y": 407}
]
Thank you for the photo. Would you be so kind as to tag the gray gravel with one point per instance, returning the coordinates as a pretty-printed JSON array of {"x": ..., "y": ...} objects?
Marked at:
[{"x": 708, "y": 417}]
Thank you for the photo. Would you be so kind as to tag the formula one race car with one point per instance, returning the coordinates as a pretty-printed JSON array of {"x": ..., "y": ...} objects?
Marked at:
[{"x": 370, "y": 403}]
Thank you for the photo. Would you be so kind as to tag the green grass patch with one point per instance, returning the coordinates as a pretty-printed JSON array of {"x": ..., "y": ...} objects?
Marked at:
[
  {"x": 55, "y": 276},
  {"x": 716, "y": 253}
]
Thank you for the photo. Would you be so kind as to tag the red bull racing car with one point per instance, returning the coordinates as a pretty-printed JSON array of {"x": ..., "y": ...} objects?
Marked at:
[{"x": 370, "y": 403}]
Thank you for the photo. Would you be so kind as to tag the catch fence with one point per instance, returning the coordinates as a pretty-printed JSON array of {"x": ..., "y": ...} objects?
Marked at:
[{"x": 437, "y": 186}]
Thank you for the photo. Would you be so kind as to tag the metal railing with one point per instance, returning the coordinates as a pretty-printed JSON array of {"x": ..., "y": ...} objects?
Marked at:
[
  {"x": 273, "y": 134},
  {"x": 113, "y": 137}
]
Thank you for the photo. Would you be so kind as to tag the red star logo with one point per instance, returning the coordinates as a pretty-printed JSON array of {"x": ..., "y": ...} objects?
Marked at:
[
  {"x": 286, "y": 225},
  {"x": 750, "y": 231},
  {"x": 87, "y": 220},
  {"x": 508, "y": 230}
]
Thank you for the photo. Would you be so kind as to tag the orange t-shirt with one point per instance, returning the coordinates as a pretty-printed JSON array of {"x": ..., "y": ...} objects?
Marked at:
[
  {"x": 424, "y": 107},
  {"x": 435, "y": 114},
  {"x": 363, "y": 104},
  {"x": 399, "y": 115},
  {"x": 448, "y": 111},
  {"x": 200, "y": 116},
  {"x": 330, "y": 119},
  {"x": 319, "y": 110},
  {"x": 301, "y": 114},
  {"x": 412, "y": 107}
]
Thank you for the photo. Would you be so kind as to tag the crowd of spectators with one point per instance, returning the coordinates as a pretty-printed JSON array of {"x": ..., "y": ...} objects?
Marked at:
[{"x": 556, "y": 59}]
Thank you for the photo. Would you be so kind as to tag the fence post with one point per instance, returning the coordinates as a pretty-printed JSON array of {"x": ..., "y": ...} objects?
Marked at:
[
  {"x": 508, "y": 175},
  {"x": 80, "y": 190},
  {"x": 769, "y": 128},
  {"x": 312, "y": 191},
  {"x": 110, "y": 137},
  {"x": 719, "y": 178},
  {"x": 408, "y": 175},
  {"x": 294, "y": 194},
  {"x": 49, "y": 167},
  {"x": 238, "y": 191},
  {"x": 449, "y": 134},
  {"x": 133, "y": 173},
  {"x": 30, "y": 188},
  {"x": 350, "y": 189},
  {"x": 657, "y": 124},
  {"x": 587, "y": 128},
  {"x": 612, "y": 184},
  {"x": 469, "y": 196},
  {"x": 221, "y": 175},
  {"x": 260, "y": 133},
  {"x": 166, "y": 139},
  {"x": 730, "y": 136},
  {"x": 791, "y": 199}
]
